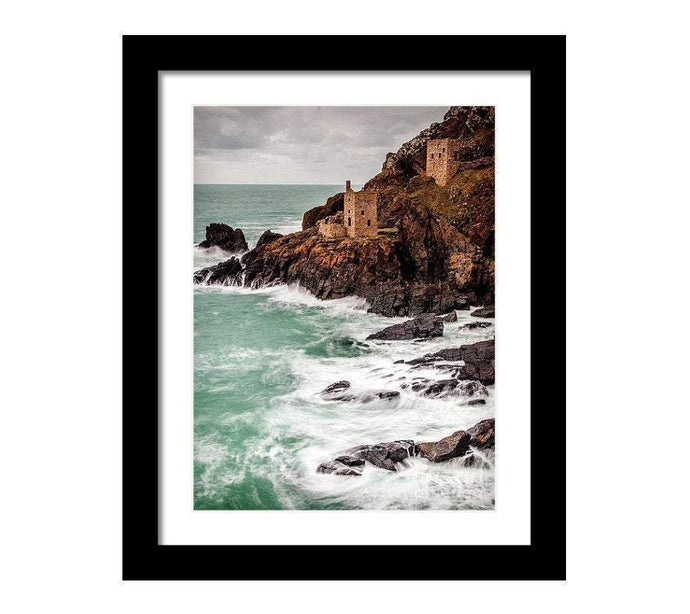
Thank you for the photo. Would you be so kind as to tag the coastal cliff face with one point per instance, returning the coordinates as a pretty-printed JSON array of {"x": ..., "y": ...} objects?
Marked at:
[{"x": 436, "y": 252}]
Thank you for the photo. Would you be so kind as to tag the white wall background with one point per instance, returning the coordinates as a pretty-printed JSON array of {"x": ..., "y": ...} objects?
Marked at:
[{"x": 60, "y": 327}]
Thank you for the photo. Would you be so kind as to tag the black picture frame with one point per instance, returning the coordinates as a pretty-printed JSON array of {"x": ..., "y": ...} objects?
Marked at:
[{"x": 144, "y": 57}]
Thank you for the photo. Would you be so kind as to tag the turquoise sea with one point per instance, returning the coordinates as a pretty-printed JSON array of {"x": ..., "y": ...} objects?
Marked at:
[{"x": 262, "y": 356}]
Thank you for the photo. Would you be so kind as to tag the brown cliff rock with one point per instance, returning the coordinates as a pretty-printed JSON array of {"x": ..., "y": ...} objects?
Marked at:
[
  {"x": 435, "y": 252},
  {"x": 332, "y": 206}
]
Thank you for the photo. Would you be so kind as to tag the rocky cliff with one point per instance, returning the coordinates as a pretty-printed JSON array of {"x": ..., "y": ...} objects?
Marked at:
[{"x": 436, "y": 251}]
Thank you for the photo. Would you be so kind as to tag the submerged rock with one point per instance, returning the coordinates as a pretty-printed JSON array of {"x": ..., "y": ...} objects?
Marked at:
[
  {"x": 473, "y": 325},
  {"x": 227, "y": 273},
  {"x": 422, "y": 327},
  {"x": 447, "y": 387},
  {"x": 336, "y": 387},
  {"x": 389, "y": 394},
  {"x": 484, "y": 312},
  {"x": 343, "y": 465},
  {"x": 226, "y": 237},
  {"x": 336, "y": 391}
]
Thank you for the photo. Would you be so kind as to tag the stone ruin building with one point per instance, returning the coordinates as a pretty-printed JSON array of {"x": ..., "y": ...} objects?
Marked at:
[
  {"x": 442, "y": 159},
  {"x": 358, "y": 219}
]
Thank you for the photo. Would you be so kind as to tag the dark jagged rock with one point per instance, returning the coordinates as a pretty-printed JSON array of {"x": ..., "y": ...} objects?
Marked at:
[
  {"x": 336, "y": 387},
  {"x": 333, "y": 205},
  {"x": 226, "y": 237},
  {"x": 336, "y": 392},
  {"x": 484, "y": 312},
  {"x": 342, "y": 465},
  {"x": 383, "y": 455},
  {"x": 483, "y": 434},
  {"x": 482, "y": 445},
  {"x": 228, "y": 273},
  {"x": 341, "y": 391},
  {"x": 475, "y": 445},
  {"x": 422, "y": 327},
  {"x": 479, "y": 460},
  {"x": 438, "y": 254},
  {"x": 473, "y": 325},
  {"x": 267, "y": 237},
  {"x": 478, "y": 357},
  {"x": 449, "y": 447},
  {"x": 476, "y": 402},
  {"x": 447, "y": 387},
  {"x": 451, "y": 317},
  {"x": 388, "y": 394}
]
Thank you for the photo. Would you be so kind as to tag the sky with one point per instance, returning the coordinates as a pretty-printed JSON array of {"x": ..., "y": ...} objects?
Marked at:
[{"x": 301, "y": 144}]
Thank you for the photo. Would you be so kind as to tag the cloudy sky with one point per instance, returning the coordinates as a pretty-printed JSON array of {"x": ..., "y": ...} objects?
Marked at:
[{"x": 301, "y": 144}]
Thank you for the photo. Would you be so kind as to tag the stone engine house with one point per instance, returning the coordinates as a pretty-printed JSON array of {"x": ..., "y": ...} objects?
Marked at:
[
  {"x": 359, "y": 213},
  {"x": 442, "y": 159}
]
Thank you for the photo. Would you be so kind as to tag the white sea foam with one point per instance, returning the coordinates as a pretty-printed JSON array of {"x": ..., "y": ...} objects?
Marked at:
[{"x": 296, "y": 431}]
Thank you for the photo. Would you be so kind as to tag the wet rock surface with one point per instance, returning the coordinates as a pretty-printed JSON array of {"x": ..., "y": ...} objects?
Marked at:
[
  {"x": 446, "y": 387},
  {"x": 484, "y": 312},
  {"x": 382, "y": 455},
  {"x": 478, "y": 358},
  {"x": 342, "y": 391},
  {"x": 226, "y": 237},
  {"x": 227, "y": 273},
  {"x": 475, "y": 325},
  {"x": 425, "y": 326},
  {"x": 338, "y": 391},
  {"x": 451, "y": 317},
  {"x": 475, "y": 446},
  {"x": 449, "y": 447}
]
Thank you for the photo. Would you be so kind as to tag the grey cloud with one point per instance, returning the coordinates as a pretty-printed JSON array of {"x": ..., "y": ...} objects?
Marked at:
[{"x": 300, "y": 144}]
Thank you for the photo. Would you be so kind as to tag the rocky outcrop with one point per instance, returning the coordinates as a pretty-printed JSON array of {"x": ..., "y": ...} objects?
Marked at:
[
  {"x": 425, "y": 326},
  {"x": 477, "y": 443},
  {"x": 437, "y": 255},
  {"x": 451, "y": 317},
  {"x": 267, "y": 237},
  {"x": 475, "y": 124},
  {"x": 484, "y": 312},
  {"x": 226, "y": 237},
  {"x": 228, "y": 273},
  {"x": 474, "y": 446},
  {"x": 449, "y": 447},
  {"x": 478, "y": 358},
  {"x": 483, "y": 434},
  {"x": 332, "y": 206},
  {"x": 383, "y": 455}
]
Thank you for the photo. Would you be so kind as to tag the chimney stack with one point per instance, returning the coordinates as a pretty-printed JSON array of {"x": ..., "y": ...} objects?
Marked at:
[{"x": 347, "y": 186}]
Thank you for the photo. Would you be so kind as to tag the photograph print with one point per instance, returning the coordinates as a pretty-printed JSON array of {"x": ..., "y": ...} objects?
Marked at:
[{"x": 344, "y": 308}]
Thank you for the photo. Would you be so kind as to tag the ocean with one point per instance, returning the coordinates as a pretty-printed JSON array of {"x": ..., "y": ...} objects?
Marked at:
[{"x": 262, "y": 356}]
